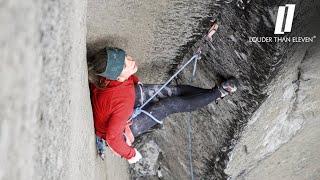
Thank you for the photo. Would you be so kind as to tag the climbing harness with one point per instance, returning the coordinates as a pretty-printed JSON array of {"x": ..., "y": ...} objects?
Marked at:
[
  {"x": 141, "y": 92},
  {"x": 139, "y": 110}
]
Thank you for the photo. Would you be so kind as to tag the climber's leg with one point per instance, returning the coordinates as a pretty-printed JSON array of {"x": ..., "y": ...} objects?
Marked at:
[
  {"x": 161, "y": 109},
  {"x": 149, "y": 90}
]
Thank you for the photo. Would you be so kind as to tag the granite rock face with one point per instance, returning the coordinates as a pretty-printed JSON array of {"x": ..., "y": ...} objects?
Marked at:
[
  {"x": 149, "y": 165},
  {"x": 280, "y": 141},
  {"x": 46, "y": 127}
]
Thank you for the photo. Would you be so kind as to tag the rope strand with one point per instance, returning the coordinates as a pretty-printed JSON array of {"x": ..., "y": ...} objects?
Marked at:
[{"x": 190, "y": 120}]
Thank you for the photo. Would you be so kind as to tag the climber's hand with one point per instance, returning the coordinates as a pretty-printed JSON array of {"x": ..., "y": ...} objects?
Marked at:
[
  {"x": 101, "y": 147},
  {"x": 136, "y": 158}
]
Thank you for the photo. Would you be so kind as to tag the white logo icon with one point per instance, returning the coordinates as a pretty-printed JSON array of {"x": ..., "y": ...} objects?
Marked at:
[{"x": 280, "y": 19}]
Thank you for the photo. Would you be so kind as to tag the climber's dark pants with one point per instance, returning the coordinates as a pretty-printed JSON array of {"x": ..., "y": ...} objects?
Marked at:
[{"x": 171, "y": 99}]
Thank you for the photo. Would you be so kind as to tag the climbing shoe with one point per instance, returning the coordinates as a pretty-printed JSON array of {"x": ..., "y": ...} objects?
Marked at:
[{"x": 228, "y": 87}]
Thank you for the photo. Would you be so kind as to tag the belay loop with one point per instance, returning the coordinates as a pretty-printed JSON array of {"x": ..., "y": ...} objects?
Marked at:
[
  {"x": 139, "y": 110},
  {"x": 136, "y": 112}
]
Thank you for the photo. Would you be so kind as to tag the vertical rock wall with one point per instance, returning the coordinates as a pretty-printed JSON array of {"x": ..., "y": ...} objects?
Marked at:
[
  {"x": 280, "y": 141},
  {"x": 46, "y": 127},
  {"x": 20, "y": 77}
]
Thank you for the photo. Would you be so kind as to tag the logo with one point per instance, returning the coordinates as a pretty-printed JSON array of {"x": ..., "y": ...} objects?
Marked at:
[
  {"x": 281, "y": 17},
  {"x": 283, "y": 25}
]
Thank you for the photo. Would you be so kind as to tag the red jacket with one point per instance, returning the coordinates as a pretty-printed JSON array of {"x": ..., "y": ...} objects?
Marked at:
[{"x": 112, "y": 107}]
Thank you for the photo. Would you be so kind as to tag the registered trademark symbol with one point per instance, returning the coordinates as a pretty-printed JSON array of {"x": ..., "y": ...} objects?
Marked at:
[{"x": 314, "y": 37}]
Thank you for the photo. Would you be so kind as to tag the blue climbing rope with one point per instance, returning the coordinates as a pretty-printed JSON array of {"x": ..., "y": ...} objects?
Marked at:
[
  {"x": 189, "y": 122},
  {"x": 190, "y": 118},
  {"x": 172, "y": 77}
]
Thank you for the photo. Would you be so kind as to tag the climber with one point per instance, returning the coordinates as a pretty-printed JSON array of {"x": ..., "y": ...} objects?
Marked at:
[{"x": 116, "y": 91}]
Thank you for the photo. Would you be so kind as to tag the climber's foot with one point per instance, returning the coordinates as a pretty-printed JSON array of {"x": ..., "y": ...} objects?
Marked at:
[
  {"x": 228, "y": 87},
  {"x": 212, "y": 30}
]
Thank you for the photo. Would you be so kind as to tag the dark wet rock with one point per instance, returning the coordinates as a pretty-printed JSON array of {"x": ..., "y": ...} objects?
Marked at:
[
  {"x": 148, "y": 165},
  {"x": 216, "y": 127}
]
